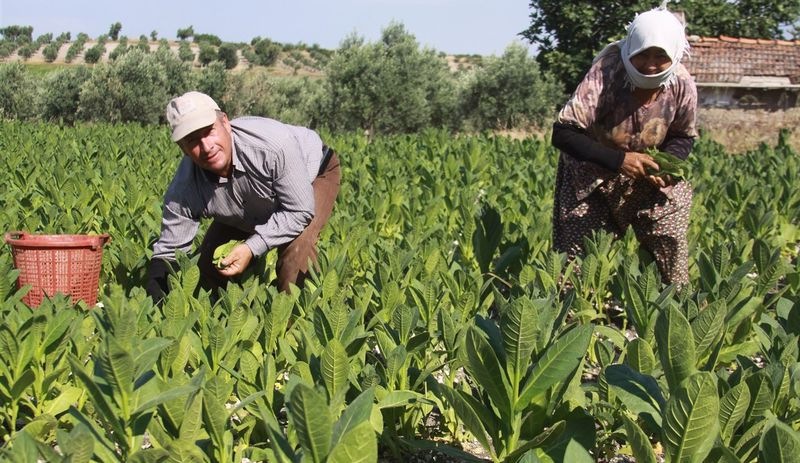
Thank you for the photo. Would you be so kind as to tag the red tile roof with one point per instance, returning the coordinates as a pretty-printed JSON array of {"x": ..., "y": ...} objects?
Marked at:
[{"x": 726, "y": 60}]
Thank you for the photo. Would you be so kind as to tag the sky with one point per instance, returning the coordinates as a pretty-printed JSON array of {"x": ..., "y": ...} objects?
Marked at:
[{"x": 452, "y": 26}]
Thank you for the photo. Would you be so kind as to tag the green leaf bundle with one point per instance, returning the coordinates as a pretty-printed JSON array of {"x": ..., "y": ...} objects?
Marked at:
[
  {"x": 669, "y": 165},
  {"x": 223, "y": 250}
]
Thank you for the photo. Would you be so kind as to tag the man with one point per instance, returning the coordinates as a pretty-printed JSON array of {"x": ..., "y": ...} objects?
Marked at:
[{"x": 268, "y": 184}]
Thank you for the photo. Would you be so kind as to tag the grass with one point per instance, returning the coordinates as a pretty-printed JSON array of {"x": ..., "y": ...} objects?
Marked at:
[{"x": 45, "y": 68}]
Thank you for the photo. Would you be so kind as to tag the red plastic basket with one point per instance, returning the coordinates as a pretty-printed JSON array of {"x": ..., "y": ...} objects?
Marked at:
[{"x": 68, "y": 264}]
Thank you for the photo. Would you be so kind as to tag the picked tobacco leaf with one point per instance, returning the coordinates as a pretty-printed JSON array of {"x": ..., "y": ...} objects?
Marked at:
[
  {"x": 222, "y": 252},
  {"x": 668, "y": 164}
]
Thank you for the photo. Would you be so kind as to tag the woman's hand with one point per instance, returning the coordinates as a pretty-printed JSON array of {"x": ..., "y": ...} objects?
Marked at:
[
  {"x": 236, "y": 261},
  {"x": 635, "y": 166}
]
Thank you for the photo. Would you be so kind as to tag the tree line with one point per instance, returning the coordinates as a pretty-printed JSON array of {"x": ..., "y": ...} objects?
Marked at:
[
  {"x": 388, "y": 86},
  {"x": 569, "y": 34}
]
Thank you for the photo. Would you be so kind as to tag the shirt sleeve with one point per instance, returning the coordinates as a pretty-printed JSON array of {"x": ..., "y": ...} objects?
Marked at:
[
  {"x": 580, "y": 146},
  {"x": 180, "y": 219},
  {"x": 294, "y": 197},
  {"x": 581, "y": 109},
  {"x": 685, "y": 122},
  {"x": 677, "y": 146}
]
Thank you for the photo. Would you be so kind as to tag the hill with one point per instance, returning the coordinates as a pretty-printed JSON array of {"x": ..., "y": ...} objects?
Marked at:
[{"x": 291, "y": 61}]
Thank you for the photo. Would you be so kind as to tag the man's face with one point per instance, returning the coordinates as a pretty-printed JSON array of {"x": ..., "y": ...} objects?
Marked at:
[{"x": 211, "y": 147}]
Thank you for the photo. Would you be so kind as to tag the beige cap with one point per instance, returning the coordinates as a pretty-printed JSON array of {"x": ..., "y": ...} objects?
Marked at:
[{"x": 189, "y": 112}]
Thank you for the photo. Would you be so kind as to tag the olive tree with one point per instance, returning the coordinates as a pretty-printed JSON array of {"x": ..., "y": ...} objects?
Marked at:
[
  {"x": 59, "y": 93},
  {"x": 132, "y": 88},
  {"x": 120, "y": 49},
  {"x": 17, "y": 90},
  {"x": 213, "y": 81},
  {"x": 263, "y": 52},
  {"x": 227, "y": 53},
  {"x": 143, "y": 44},
  {"x": 391, "y": 86},
  {"x": 180, "y": 78},
  {"x": 289, "y": 99},
  {"x": 207, "y": 54},
  {"x": 184, "y": 34},
  {"x": 185, "y": 52},
  {"x": 509, "y": 92},
  {"x": 93, "y": 54},
  {"x": 50, "y": 52},
  {"x": 113, "y": 30}
]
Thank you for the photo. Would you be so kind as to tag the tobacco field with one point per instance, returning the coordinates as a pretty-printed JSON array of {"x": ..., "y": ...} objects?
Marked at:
[{"x": 440, "y": 315}]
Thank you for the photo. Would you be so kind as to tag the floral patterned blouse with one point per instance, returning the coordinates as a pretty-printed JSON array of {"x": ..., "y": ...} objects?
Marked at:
[{"x": 604, "y": 106}]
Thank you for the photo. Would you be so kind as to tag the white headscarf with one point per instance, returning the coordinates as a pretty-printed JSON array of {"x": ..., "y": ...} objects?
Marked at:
[{"x": 655, "y": 28}]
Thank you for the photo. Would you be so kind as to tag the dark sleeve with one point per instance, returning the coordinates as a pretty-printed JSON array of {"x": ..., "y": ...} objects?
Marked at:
[
  {"x": 677, "y": 145},
  {"x": 157, "y": 275},
  {"x": 575, "y": 142}
]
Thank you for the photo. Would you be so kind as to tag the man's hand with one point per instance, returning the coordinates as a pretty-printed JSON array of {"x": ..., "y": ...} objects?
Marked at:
[{"x": 236, "y": 261}]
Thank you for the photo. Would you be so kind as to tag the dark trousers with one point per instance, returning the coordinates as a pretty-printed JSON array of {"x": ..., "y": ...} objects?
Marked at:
[{"x": 293, "y": 257}]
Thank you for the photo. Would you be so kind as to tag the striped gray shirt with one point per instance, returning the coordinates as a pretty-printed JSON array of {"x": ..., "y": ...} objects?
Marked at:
[{"x": 269, "y": 193}]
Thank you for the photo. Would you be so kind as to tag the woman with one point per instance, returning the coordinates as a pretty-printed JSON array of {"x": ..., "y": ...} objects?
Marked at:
[{"x": 637, "y": 95}]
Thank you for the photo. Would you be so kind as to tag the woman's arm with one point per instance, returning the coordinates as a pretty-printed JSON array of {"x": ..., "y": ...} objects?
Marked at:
[{"x": 575, "y": 142}]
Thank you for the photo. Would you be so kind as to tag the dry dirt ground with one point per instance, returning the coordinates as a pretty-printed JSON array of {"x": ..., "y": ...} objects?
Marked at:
[{"x": 743, "y": 130}]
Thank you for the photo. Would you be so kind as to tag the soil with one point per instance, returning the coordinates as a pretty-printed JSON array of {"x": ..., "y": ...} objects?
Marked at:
[{"x": 741, "y": 130}]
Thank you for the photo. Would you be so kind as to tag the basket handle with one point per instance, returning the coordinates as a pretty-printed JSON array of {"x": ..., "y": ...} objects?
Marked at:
[
  {"x": 13, "y": 236},
  {"x": 105, "y": 238}
]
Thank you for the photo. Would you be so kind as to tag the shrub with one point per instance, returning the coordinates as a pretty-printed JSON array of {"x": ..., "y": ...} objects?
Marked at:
[
  {"x": 132, "y": 88},
  {"x": 180, "y": 78},
  {"x": 210, "y": 38},
  {"x": 120, "y": 49},
  {"x": 207, "y": 54},
  {"x": 144, "y": 44},
  {"x": 17, "y": 90},
  {"x": 290, "y": 100},
  {"x": 7, "y": 47},
  {"x": 266, "y": 52},
  {"x": 94, "y": 53},
  {"x": 509, "y": 92},
  {"x": 74, "y": 50},
  {"x": 213, "y": 81},
  {"x": 27, "y": 50},
  {"x": 185, "y": 52},
  {"x": 390, "y": 86},
  {"x": 250, "y": 56},
  {"x": 227, "y": 53},
  {"x": 50, "y": 52},
  {"x": 59, "y": 93}
]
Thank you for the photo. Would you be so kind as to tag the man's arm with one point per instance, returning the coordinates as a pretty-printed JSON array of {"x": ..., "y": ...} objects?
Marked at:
[
  {"x": 294, "y": 197},
  {"x": 157, "y": 275},
  {"x": 179, "y": 225}
]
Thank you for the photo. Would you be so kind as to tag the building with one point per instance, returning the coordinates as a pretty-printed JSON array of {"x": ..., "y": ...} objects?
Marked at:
[{"x": 745, "y": 73}]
